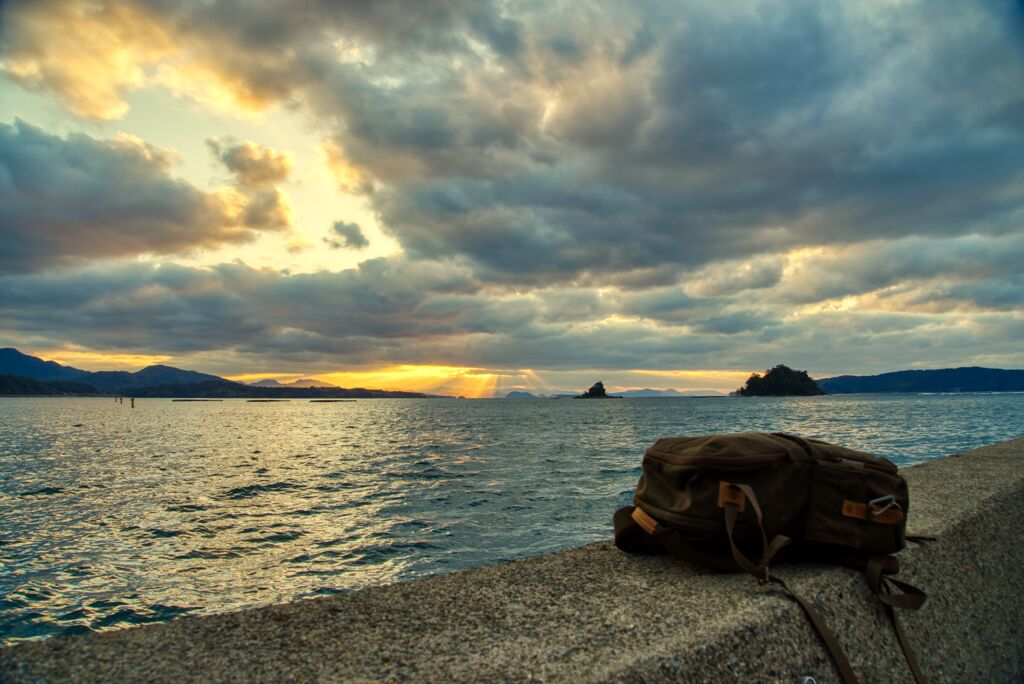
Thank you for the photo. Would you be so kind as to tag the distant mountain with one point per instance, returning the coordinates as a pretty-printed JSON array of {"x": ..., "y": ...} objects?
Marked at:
[
  {"x": 972, "y": 379},
  {"x": 13, "y": 362},
  {"x": 225, "y": 389},
  {"x": 301, "y": 382},
  {"x": 671, "y": 393},
  {"x": 651, "y": 393},
  {"x": 11, "y": 385},
  {"x": 517, "y": 394},
  {"x": 24, "y": 374},
  {"x": 150, "y": 376}
]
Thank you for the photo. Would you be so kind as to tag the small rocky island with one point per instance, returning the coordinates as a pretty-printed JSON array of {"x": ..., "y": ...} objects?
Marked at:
[
  {"x": 596, "y": 392},
  {"x": 781, "y": 381}
]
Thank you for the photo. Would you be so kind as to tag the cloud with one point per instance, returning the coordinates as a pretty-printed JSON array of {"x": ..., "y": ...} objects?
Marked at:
[
  {"x": 823, "y": 129},
  {"x": 351, "y": 236},
  {"x": 579, "y": 142},
  {"x": 76, "y": 199},
  {"x": 395, "y": 311},
  {"x": 586, "y": 184},
  {"x": 88, "y": 54},
  {"x": 895, "y": 267},
  {"x": 267, "y": 209},
  {"x": 252, "y": 164},
  {"x": 257, "y": 170},
  {"x": 731, "y": 277}
]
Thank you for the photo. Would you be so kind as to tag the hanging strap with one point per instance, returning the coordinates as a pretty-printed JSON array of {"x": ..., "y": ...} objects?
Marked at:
[
  {"x": 763, "y": 575},
  {"x": 839, "y": 658},
  {"x": 768, "y": 550},
  {"x": 911, "y": 598}
]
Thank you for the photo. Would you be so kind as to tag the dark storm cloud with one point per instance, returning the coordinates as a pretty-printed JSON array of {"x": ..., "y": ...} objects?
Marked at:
[
  {"x": 76, "y": 199},
  {"x": 397, "y": 311},
  {"x": 579, "y": 185},
  {"x": 232, "y": 305},
  {"x": 350, "y": 235},
  {"x": 577, "y": 141},
  {"x": 256, "y": 50},
  {"x": 826, "y": 125}
]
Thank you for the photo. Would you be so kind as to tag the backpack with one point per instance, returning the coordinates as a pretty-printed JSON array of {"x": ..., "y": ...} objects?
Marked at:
[{"x": 739, "y": 502}]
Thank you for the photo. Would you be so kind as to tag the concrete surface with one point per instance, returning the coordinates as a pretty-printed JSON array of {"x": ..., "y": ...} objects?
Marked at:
[{"x": 595, "y": 614}]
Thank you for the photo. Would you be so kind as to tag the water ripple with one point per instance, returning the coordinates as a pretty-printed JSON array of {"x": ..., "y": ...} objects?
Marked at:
[{"x": 193, "y": 508}]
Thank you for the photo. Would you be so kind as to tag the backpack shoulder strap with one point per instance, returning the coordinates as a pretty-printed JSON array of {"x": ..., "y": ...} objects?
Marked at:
[
  {"x": 836, "y": 651},
  {"x": 911, "y": 598}
]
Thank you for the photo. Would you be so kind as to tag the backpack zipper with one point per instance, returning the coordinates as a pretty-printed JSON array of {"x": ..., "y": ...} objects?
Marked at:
[
  {"x": 726, "y": 461},
  {"x": 856, "y": 464}
]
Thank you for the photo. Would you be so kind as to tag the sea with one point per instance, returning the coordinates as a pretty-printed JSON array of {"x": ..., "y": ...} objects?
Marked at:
[{"x": 112, "y": 516}]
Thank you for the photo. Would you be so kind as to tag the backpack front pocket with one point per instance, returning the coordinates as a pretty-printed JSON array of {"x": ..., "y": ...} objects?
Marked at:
[{"x": 856, "y": 507}]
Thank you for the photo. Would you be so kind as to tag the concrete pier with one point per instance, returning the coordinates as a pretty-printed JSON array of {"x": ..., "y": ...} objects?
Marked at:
[{"x": 595, "y": 614}]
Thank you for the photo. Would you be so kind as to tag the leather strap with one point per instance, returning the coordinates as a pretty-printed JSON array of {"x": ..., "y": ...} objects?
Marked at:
[
  {"x": 768, "y": 550},
  {"x": 912, "y": 598},
  {"x": 839, "y": 658},
  {"x": 645, "y": 521},
  {"x": 761, "y": 572},
  {"x": 863, "y": 511},
  {"x": 909, "y": 598}
]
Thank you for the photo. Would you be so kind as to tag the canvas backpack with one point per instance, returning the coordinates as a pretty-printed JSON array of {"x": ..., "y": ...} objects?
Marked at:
[{"x": 739, "y": 502}]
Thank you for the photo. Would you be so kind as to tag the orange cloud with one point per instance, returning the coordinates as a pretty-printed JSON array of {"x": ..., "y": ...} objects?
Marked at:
[
  {"x": 87, "y": 54},
  {"x": 346, "y": 174},
  {"x": 444, "y": 380},
  {"x": 88, "y": 360}
]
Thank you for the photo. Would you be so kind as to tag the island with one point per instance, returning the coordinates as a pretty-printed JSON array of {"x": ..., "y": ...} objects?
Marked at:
[
  {"x": 969, "y": 379},
  {"x": 597, "y": 391},
  {"x": 781, "y": 381}
]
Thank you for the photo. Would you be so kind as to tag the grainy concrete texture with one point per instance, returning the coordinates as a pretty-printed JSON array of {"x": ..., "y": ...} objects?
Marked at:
[{"x": 595, "y": 614}]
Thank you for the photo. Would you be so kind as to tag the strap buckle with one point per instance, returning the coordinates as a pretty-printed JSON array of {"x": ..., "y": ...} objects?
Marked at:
[{"x": 876, "y": 507}]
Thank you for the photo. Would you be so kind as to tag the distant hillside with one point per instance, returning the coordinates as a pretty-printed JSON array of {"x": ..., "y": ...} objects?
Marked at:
[
  {"x": 225, "y": 389},
  {"x": 28, "y": 375},
  {"x": 11, "y": 385},
  {"x": 301, "y": 382},
  {"x": 671, "y": 393},
  {"x": 972, "y": 379},
  {"x": 519, "y": 394},
  {"x": 13, "y": 362},
  {"x": 150, "y": 376}
]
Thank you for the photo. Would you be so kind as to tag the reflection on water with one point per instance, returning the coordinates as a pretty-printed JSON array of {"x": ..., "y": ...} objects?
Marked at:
[{"x": 113, "y": 516}]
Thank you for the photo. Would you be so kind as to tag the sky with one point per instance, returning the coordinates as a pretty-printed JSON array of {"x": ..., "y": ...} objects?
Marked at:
[{"x": 470, "y": 197}]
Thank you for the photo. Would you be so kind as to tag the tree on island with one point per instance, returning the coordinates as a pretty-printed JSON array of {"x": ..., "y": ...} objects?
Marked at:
[
  {"x": 781, "y": 381},
  {"x": 596, "y": 392}
]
